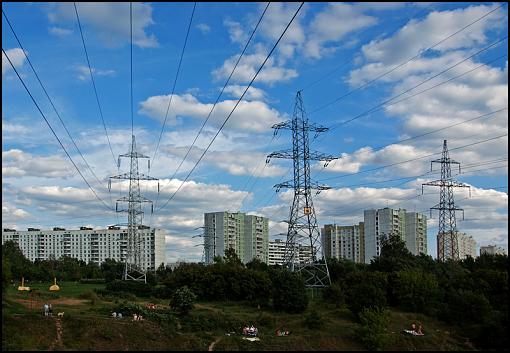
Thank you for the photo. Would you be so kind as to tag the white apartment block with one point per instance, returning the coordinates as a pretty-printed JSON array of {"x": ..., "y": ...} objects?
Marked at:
[
  {"x": 87, "y": 244},
  {"x": 248, "y": 235},
  {"x": 344, "y": 242},
  {"x": 416, "y": 233},
  {"x": 492, "y": 250},
  {"x": 276, "y": 253},
  {"x": 465, "y": 243},
  {"x": 411, "y": 227}
]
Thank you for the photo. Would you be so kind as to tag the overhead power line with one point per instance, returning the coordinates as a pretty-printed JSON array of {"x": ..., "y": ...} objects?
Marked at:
[
  {"x": 415, "y": 159},
  {"x": 218, "y": 98},
  {"x": 237, "y": 103},
  {"x": 403, "y": 63},
  {"x": 94, "y": 83},
  {"x": 53, "y": 131},
  {"x": 175, "y": 82},
  {"x": 49, "y": 99}
]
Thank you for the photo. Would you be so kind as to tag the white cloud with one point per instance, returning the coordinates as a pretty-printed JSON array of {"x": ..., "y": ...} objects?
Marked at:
[
  {"x": 333, "y": 24},
  {"x": 417, "y": 35},
  {"x": 204, "y": 28},
  {"x": 84, "y": 73},
  {"x": 60, "y": 32},
  {"x": 110, "y": 21},
  {"x": 17, "y": 58},
  {"x": 253, "y": 93},
  {"x": 16, "y": 163},
  {"x": 248, "y": 66},
  {"x": 252, "y": 116}
]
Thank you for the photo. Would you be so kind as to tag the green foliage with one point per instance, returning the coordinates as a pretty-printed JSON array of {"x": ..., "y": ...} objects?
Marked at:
[
  {"x": 416, "y": 291},
  {"x": 335, "y": 294},
  {"x": 137, "y": 288},
  {"x": 372, "y": 328},
  {"x": 183, "y": 300},
  {"x": 394, "y": 255},
  {"x": 289, "y": 292},
  {"x": 365, "y": 295},
  {"x": 314, "y": 320}
]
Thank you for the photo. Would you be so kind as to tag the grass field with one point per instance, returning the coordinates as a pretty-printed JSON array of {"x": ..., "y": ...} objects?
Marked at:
[{"x": 87, "y": 326}]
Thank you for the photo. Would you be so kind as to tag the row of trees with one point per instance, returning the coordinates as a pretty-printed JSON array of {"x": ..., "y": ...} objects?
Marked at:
[{"x": 472, "y": 294}]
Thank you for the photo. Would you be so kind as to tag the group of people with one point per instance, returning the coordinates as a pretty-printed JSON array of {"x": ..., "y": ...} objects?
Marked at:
[
  {"x": 250, "y": 330},
  {"x": 48, "y": 309},
  {"x": 151, "y": 306},
  {"x": 279, "y": 332},
  {"x": 117, "y": 315},
  {"x": 415, "y": 330},
  {"x": 137, "y": 317}
]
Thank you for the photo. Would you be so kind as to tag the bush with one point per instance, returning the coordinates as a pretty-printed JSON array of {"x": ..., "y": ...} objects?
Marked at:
[
  {"x": 314, "y": 320},
  {"x": 365, "y": 295},
  {"x": 289, "y": 292},
  {"x": 372, "y": 328},
  {"x": 182, "y": 300},
  {"x": 334, "y": 294},
  {"x": 416, "y": 291}
]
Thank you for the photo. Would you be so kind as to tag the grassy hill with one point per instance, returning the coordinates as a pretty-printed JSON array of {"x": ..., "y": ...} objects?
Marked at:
[{"x": 87, "y": 325}]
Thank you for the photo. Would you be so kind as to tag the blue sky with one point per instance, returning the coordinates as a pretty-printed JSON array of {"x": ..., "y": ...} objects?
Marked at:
[{"x": 329, "y": 51}]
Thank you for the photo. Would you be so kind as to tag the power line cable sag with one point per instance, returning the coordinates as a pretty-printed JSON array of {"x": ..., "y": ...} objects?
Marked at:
[
  {"x": 175, "y": 83},
  {"x": 404, "y": 63},
  {"x": 237, "y": 103},
  {"x": 49, "y": 99},
  {"x": 490, "y": 114},
  {"x": 54, "y": 134},
  {"x": 218, "y": 98},
  {"x": 94, "y": 83}
]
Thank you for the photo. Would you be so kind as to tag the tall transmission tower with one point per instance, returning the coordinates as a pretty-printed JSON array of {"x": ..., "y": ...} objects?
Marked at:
[
  {"x": 135, "y": 268},
  {"x": 447, "y": 236},
  {"x": 303, "y": 232}
]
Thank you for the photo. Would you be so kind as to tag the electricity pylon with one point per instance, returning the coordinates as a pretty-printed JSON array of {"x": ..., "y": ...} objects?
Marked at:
[
  {"x": 447, "y": 236},
  {"x": 135, "y": 268},
  {"x": 303, "y": 232}
]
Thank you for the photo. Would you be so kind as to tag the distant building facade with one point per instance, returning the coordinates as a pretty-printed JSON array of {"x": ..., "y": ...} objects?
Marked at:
[
  {"x": 411, "y": 227},
  {"x": 492, "y": 250},
  {"x": 276, "y": 253},
  {"x": 87, "y": 244},
  {"x": 344, "y": 242},
  {"x": 465, "y": 243},
  {"x": 247, "y": 234}
]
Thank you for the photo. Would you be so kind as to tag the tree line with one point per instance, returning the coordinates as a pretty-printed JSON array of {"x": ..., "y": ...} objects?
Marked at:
[{"x": 471, "y": 294}]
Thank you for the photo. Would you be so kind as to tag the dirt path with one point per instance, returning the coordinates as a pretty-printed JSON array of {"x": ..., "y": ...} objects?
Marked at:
[
  {"x": 211, "y": 346},
  {"x": 58, "y": 340}
]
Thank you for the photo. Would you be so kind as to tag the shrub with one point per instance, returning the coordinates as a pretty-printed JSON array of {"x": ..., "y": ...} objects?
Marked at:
[
  {"x": 182, "y": 300},
  {"x": 314, "y": 320},
  {"x": 334, "y": 294},
  {"x": 289, "y": 293},
  {"x": 365, "y": 295},
  {"x": 372, "y": 328}
]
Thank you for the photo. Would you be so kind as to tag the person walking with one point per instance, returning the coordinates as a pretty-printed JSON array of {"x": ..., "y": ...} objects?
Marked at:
[
  {"x": 45, "y": 306},
  {"x": 50, "y": 310}
]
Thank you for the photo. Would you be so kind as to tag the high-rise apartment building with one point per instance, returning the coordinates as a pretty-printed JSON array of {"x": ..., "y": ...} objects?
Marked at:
[
  {"x": 246, "y": 234},
  {"x": 344, "y": 242},
  {"x": 416, "y": 233},
  {"x": 411, "y": 227},
  {"x": 492, "y": 250},
  {"x": 87, "y": 244},
  {"x": 276, "y": 252},
  {"x": 466, "y": 245}
]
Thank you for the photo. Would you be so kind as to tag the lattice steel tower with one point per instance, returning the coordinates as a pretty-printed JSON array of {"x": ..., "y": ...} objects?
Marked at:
[
  {"x": 134, "y": 263},
  {"x": 303, "y": 234},
  {"x": 447, "y": 236}
]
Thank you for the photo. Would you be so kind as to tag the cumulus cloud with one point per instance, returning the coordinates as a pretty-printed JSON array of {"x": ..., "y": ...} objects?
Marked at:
[
  {"x": 16, "y": 163},
  {"x": 60, "y": 32},
  {"x": 84, "y": 73},
  {"x": 17, "y": 58},
  {"x": 333, "y": 24},
  {"x": 251, "y": 116},
  {"x": 421, "y": 34},
  {"x": 204, "y": 28},
  {"x": 109, "y": 20},
  {"x": 253, "y": 93}
]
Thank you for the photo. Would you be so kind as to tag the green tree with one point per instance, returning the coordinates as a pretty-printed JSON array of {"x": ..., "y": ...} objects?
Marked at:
[
  {"x": 372, "y": 328},
  {"x": 289, "y": 292},
  {"x": 183, "y": 300},
  {"x": 416, "y": 291},
  {"x": 394, "y": 255}
]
